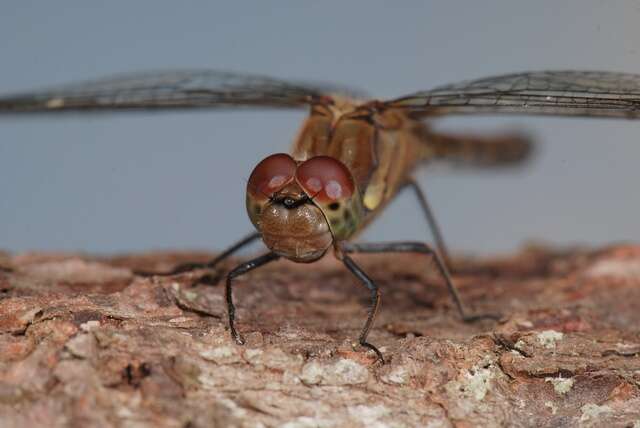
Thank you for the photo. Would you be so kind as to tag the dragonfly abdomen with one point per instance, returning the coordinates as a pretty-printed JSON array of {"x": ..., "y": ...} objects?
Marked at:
[{"x": 477, "y": 151}]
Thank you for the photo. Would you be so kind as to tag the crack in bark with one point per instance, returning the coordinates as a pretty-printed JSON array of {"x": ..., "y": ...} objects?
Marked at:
[
  {"x": 609, "y": 352},
  {"x": 499, "y": 365},
  {"x": 201, "y": 312},
  {"x": 498, "y": 340},
  {"x": 35, "y": 319}
]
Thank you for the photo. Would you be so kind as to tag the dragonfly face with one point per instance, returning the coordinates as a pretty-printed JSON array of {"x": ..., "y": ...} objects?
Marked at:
[{"x": 300, "y": 208}]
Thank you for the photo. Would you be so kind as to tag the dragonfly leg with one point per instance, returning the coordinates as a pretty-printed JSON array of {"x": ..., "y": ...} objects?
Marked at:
[
  {"x": 188, "y": 267},
  {"x": 422, "y": 248},
  {"x": 431, "y": 220},
  {"x": 373, "y": 308},
  {"x": 240, "y": 270}
]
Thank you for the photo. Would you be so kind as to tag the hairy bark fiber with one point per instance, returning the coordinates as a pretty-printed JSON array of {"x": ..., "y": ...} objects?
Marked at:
[{"x": 85, "y": 342}]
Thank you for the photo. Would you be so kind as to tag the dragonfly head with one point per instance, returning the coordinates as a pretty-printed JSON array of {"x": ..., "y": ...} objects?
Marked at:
[{"x": 299, "y": 207}]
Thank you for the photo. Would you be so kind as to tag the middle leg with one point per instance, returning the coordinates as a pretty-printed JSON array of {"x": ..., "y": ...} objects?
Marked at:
[
  {"x": 188, "y": 267},
  {"x": 419, "y": 247},
  {"x": 375, "y": 303}
]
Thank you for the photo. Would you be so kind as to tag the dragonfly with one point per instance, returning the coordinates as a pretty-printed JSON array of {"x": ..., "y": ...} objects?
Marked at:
[{"x": 352, "y": 156}]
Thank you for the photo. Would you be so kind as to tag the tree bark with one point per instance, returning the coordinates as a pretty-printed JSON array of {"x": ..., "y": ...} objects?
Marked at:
[{"x": 85, "y": 342}]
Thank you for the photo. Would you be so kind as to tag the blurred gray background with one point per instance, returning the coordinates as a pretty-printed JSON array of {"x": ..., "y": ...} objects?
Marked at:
[{"x": 176, "y": 180}]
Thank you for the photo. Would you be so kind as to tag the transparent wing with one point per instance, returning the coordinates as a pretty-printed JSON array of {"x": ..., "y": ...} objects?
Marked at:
[
  {"x": 171, "y": 90},
  {"x": 563, "y": 93}
]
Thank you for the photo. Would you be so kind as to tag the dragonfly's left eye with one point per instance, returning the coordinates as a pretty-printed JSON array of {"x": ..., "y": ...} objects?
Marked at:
[
  {"x": 271, "y": 175},
  {"x": 325, "y": 179}
]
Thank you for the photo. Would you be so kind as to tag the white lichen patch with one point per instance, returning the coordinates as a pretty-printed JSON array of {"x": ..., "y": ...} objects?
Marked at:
[
  {"x": 90, "y": 325},
  {"x": 479, "y": 383},
  {"x": 560, "y": 385},
  {"x": 310, "y": 422},
  {"x": 190, "y": 295},
  {"x": 474, "y": 384},
  {"x": 369, "y": 416},
  {"x": 342, "y": 372},
  {"x": 620, "y": 268},
  {"x": 551, "y": 407},
  {"x": 81, "y": 345},
  {"x": 350, "y": 372},
  {"x": 221, "y": 354},
  {"x": 253, "y": 356},
  {"x": 520, "y": 344},
  {"x": 438, "y": 423},
  {"x": 592, "y": 411},
  {"x": 469, "y": 392},
  {"x": 273, "y": 358},
  {"x": 548, "y": 338},
  {"x": 627, "y": 348},
  {"x": 312, "y": 373},
  {"x": 398, "y": 375},
  {"x": 279, "y": 360}
]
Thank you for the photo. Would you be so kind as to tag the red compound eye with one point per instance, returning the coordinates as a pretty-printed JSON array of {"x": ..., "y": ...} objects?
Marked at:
[
  {"x": 271, "y": 175},
  {"x": 325, "y": 179}
]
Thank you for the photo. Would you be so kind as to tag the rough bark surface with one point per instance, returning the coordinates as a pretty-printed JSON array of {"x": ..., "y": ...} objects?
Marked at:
[{"x": 84, "y": 342}]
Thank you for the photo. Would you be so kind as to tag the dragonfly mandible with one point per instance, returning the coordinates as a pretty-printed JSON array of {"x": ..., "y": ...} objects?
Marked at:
[{"x": 352, "y": 155}]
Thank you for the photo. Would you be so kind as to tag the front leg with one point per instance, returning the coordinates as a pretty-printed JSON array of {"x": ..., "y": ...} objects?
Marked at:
[
  {"x": 240, "y": 270},
  {"x": 419, "y": 247}
]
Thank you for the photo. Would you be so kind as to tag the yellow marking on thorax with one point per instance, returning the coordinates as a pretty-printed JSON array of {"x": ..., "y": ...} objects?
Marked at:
[{"x": 392, "y": 161}]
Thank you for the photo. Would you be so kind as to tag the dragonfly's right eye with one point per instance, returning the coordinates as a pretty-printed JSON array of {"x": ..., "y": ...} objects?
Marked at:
[{"x": 271, "y": 175}]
